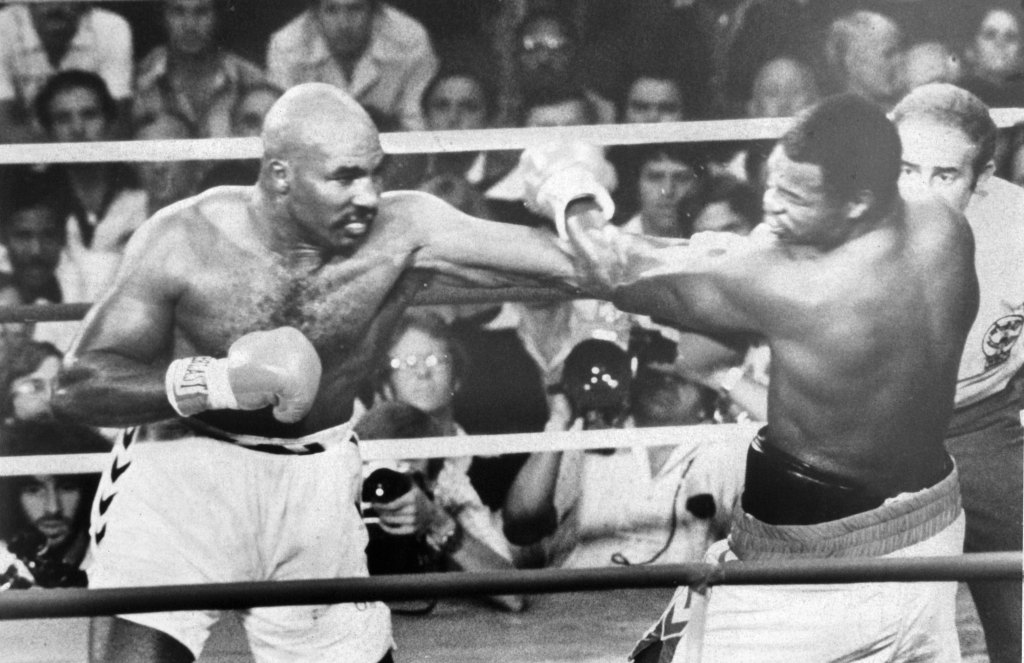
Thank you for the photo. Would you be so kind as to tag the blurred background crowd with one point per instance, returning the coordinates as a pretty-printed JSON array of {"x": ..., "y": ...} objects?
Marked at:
[{"x": 169, "y": 69}]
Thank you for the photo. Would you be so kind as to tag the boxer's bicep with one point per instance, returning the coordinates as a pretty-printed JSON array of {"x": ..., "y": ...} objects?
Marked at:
[
  {"x": 114, "y": 373},
  {"x": 458, "y": 244},
  {"x": 134, "y": 318}
]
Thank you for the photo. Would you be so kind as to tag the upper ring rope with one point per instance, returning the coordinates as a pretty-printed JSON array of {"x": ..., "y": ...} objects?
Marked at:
[
  {"x": 441, "y": 447},
  {"x": 430, "y": 296},
  {"x": 429, "y": 142}
]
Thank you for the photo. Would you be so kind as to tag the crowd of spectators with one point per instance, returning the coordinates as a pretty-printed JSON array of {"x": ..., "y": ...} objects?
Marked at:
[{"x": 83, "y": 71}]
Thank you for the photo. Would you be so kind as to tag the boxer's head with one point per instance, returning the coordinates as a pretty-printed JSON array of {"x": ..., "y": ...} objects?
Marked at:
[
  {"x": 949, "y": 142},
  {"x": 837, "y": 166},
  {"x": 321, "y": 166}
]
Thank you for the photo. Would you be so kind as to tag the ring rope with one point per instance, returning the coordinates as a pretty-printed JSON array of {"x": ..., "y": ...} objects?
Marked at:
[
  {"x": 446, "y": 447},
  {"x": 430, "y": 296},
  {"x": 237, "y": 596},
  {"x": 428, "y": 142}
]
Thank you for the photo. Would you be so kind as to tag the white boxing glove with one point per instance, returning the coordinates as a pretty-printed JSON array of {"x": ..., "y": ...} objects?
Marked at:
[
  {"x": 557, "y": 174},
  {"x": 278, "y": 367}
]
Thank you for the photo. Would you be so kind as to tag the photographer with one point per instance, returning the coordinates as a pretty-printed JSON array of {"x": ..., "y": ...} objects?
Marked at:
[
  {"x": 430, "y": 515},
  {"x": 44, "y": 519},
  {"x": 616, "y": 506}
]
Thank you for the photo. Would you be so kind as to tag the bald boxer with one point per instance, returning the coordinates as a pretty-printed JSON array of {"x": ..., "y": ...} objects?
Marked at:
[
  {"x": 865, "y": 300},
  {"x": 232, "y": 343}
]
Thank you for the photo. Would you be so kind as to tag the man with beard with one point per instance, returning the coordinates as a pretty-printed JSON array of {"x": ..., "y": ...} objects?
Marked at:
[
  {"x": 238, "y": 331},
  {"x": 45, "y": 517}
]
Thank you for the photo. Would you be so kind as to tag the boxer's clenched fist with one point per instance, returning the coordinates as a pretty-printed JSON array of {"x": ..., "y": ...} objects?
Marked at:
[
  {"x": 556, "y": 175},
  {"x": 278, "y": 367}
]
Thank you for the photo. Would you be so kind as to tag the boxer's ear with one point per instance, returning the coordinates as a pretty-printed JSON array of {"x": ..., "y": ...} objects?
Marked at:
[
  {"x": 859, "y": 204},
  {"x": 280, "y": 176}
]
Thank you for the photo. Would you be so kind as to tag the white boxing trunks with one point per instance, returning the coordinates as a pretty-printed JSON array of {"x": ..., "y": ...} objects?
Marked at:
[
  {"x": 877, "y": 622},
  {"x": 195, "y": 510}
]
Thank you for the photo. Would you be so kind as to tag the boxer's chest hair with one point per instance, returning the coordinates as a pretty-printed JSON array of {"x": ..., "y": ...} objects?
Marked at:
[{"x": 340, "y": 307}]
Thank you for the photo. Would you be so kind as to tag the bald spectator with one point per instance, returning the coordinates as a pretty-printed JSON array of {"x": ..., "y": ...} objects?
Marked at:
[
  {"x": 862, "y": 50},
  {"x": 39, "y": 39},
  {"x": 930, "y": 62},
  {"x": 381, "y": 56},
  {"x": 190, "y": 75},
  {"x": 782, "y": 87},
  {"x": 547, "y": 61}
]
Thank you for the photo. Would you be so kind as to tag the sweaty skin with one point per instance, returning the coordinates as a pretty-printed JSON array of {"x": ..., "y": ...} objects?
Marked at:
[
  {"x": 866, "y": 330},
  {"x": 314, "y": 244}
]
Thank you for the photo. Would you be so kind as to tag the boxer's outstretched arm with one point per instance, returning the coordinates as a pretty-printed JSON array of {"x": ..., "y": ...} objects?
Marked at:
[
  {"x": 484, "y": 253},
  {"x": 704, "y": 284},
  {"x": 114, "y": 373}
]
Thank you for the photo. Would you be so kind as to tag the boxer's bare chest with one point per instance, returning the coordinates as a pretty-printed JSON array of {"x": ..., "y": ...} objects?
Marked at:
[{"x": 344, "y": 306}]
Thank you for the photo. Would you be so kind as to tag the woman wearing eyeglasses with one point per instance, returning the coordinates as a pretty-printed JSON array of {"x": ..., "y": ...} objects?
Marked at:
[{"x": 439, "y": 505}]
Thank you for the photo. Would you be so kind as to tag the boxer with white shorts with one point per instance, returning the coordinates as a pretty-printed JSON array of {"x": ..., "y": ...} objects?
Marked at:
[
  {"x": 236, "y": 334},
  {"x": 865, "y": 300}
]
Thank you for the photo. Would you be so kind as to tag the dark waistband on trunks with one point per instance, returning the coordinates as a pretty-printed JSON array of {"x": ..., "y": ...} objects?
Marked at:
[{"x": 781, "y": 489}]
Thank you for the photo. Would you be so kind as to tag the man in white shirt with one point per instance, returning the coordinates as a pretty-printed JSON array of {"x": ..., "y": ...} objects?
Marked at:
[
  {"x": 376, "y": 53},
  {"x": 948, "y": 146}
]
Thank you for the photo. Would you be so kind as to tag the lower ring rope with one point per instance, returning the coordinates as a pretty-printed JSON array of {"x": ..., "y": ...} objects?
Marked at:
[{"x": 237, "y": 596}]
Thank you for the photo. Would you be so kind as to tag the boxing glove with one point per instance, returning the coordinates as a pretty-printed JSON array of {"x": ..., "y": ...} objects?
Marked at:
[
  {"x": 556, "y": 175},
  {"x": 278, "y": 367}
]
